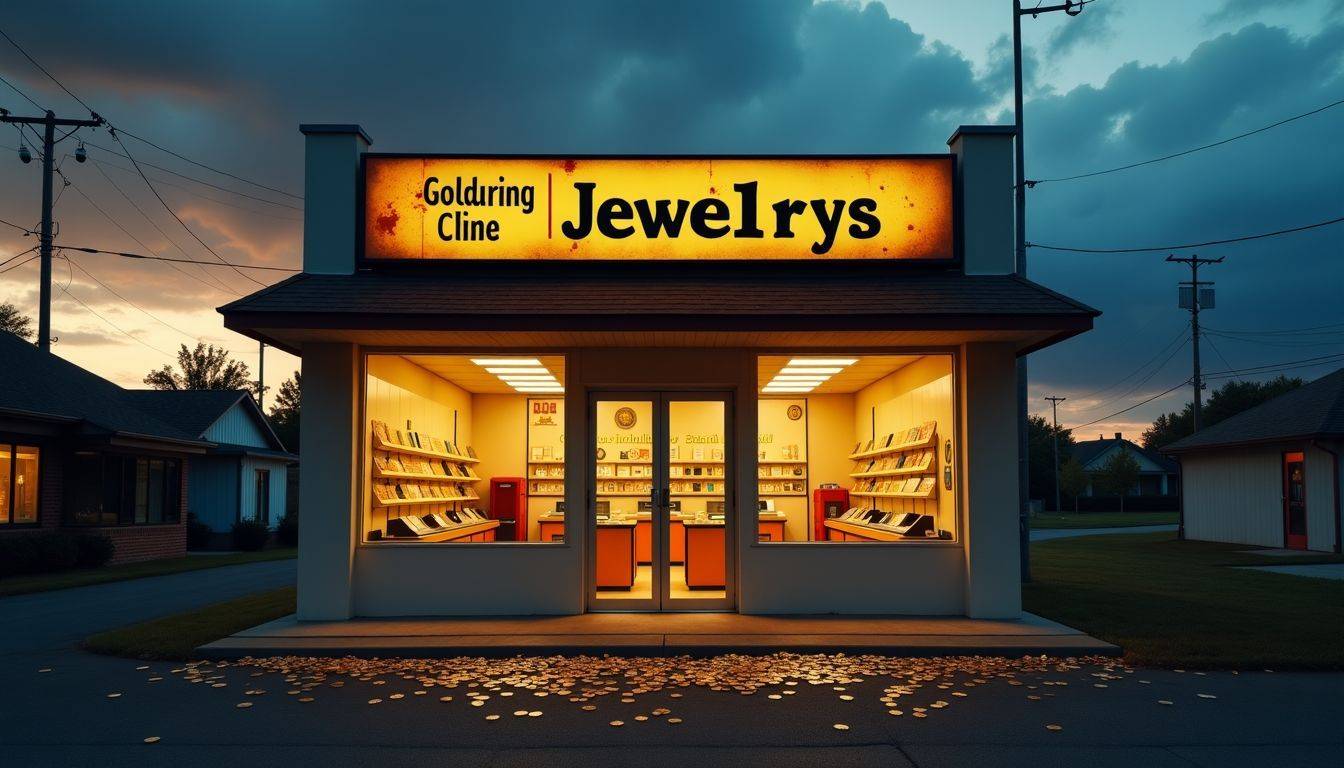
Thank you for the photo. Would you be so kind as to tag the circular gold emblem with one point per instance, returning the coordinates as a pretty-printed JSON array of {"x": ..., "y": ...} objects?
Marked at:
[
  {"x": 795, "y": 412},
  {"x": 625, "y": 418},
  {"x": 601, "y": 453}
]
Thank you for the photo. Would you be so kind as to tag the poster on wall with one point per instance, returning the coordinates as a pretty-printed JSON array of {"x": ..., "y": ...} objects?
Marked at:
[{"x": 657, "y": 208}]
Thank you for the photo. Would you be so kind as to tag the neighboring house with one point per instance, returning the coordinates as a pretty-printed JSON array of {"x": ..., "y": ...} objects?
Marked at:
[
  {"x": 244, "y": 475},
  {"x": 1158, "y": 475},
  {"x": 1269, "y": 475},
  {"x": 78, "y": 454}
]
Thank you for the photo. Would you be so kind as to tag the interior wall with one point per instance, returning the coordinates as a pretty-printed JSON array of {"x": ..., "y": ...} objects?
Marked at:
[
  {"x": 500, "y": 437},
  {"x": 907, "y": 397},
  {"x": 831, "y": 438},
  {"x": 545, "y": 436},
  {"x": 775, "y": 435},
  {"x": 406, "y": 396},
  {"x": 693, "y": 424}
]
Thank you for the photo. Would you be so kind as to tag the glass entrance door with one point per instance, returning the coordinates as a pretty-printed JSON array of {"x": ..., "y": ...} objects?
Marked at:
[
  {"x": 661, "y": 502},
  {"x": 1294, "y": 501}
]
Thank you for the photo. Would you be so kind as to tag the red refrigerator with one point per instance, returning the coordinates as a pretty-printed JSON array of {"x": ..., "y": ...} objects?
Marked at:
[
  {"x": 827, "y": 503},
  {"x": 508, "y": 505}
]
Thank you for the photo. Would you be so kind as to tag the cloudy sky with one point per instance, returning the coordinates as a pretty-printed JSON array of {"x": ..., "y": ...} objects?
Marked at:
[{"x": 228, "y": 83}]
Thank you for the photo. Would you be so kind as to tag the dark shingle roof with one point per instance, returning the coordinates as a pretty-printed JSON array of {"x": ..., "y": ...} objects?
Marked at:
[
  {"x": 1313, "y": 410},
  {"x": 1086, "y": 451},
  {"x": 192, "y": 411},
  {"x": 43, "y": 384},
  {"x": 574, "y": 296}
]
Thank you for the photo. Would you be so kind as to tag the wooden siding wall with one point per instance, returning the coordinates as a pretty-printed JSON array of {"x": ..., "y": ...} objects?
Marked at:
[
  {"x": 237, "y": 428},
  {"x": 1236, "y": 495},
  {"x": 214, "y": 491},
  {"x": 279, "y": 478}
]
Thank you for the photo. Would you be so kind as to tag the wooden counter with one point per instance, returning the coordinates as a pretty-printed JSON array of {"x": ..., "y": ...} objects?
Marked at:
[
  {"x": 770, "y": 529},
  {"x": 551, "y": 530},
  {"x": 839, "y": 530},
  {"x": 705, "y": 554},
  {"x": 472, "y": 532},
  {"x": 615, "y": 555}
]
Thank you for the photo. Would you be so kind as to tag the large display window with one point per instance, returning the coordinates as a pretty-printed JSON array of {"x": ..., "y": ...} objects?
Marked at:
[
  {"x": 857, "y": 448},
  {"x": 464, "y": 449}
]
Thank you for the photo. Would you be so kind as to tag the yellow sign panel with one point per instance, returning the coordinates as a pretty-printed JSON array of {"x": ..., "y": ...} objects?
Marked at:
[{"x": 479, "y": 208}]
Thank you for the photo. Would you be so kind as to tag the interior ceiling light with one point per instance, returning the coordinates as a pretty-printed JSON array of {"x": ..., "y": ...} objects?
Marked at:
[
  {"x": 528, "y": 377},
  {"x": 800, "y": 377},
  {"x": 539, "y": 389},
  {"x": 486, "y": 362},
  {"x": 514, "y": 369},
  {"x": 828, "y": 370},
  {"x": 841, "y": 361}
]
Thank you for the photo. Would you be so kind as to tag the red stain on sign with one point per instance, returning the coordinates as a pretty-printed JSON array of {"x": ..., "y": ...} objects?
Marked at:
[
  {"x": 387, "y": 222},
  {"x": 570, "y": 165}
]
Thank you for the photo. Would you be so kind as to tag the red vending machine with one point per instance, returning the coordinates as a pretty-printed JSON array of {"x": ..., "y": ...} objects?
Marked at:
[
  {"x": 508, "y": 505},
  {"x": 827, "y": 503}
]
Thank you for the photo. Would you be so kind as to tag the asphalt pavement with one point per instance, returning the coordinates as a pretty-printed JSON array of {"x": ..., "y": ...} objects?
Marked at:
[
  {"x": 61, "y": 618},
  {"x": 1046, "y": 534},
  {"x": 57, "y": 711}
]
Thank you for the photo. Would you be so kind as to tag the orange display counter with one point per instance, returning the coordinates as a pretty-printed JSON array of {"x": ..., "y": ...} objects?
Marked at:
[
  {"x": 770, "y": 530},
  {"x": 705, "y": 555},
  {"x": 551, "y": 530},
  {"x": 615, "y": 555}
]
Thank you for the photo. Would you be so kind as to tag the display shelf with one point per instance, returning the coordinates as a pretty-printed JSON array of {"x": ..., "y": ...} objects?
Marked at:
[
  {"x": 545, "y": 495},
  {"x": 626, "y": 494},
  {"x": 625, "y": 462},
  {"x": 932, "y": 493},
  {"x": 706, "y": 462},
  {"x": 383, "y": 473},
  {"x": 560, "y": 461},
  {"x": 781, "y": 494},
  {"x": 715, "y": 494},
  {"x": 377, "y": 502},
  {"x": 544, "y": 477},
  {"x": 781, "y": 461},
  {"x": 381, "y": 445},
  {"x": 895, "y": 448},
  {"x": 894, "y": 472}
]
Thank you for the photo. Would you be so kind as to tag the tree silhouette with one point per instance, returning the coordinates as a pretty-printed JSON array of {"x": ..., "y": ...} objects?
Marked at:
[
  {"x": 205, "y": 367},
  {"x": 285, "y": 412},
  {"x": 12, "y": 320}
]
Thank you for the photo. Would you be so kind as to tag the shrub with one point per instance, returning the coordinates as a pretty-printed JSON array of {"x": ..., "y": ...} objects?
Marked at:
[
  {"x": 198, "y": 533},
  {"x": 287, "y": 530},
  {"x": 94, "y": 551},
  {"x": 52, "y": 552},
  {"x": 249, "y": 535}
]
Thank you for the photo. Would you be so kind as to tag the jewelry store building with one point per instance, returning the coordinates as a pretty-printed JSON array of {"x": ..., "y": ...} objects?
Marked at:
[{"x": 554, "y": 385}]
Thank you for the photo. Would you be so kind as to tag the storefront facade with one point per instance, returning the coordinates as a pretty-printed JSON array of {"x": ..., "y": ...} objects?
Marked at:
[{"x": 538, "y": 397}]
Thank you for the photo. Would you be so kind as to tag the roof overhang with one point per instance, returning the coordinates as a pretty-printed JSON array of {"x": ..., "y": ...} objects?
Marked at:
[{"x": 1176, "y": 449}]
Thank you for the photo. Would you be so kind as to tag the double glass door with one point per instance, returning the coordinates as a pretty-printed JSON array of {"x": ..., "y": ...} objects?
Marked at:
[{"x": 660, "y": 502}]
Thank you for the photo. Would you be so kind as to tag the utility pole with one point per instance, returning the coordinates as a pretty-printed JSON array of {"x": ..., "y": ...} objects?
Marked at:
[
  {"x": 261, "y": 376},
  {"x": 1193, "y": 296},
  {"x": 1054, "y": 412},
  {"x": 1071, "y": 8},
  {"x": 48, "y": 122}
]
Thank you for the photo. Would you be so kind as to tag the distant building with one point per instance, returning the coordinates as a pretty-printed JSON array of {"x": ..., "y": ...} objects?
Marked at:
[
  {"x": 1269, "y": 475},
  {"x": 77, "y": 453},
  {"x": 1158, "y": 475},
  {"x": 242, "y": 476}
]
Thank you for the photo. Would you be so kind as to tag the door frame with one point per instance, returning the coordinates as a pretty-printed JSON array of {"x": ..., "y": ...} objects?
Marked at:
[
  {"x": 1291, "y": 540},
  {"x": 660, "y": 600}
]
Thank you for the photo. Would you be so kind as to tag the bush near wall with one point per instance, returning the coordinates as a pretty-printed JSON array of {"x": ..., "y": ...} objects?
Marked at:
[
  {"x": 287, "y": 530},
  {"x": 249, "y": 535},
  {"x": 198, "y": 533},
  {"x": 53, "y": 552},
  {"x": 1170, "y": 503}
]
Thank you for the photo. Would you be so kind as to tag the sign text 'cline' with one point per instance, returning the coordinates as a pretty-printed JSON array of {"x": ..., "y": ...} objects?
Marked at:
[{"x": 658, "y": 208}]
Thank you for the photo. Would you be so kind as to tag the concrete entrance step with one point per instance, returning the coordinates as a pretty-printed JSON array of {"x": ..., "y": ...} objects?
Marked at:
[{"x": 628, "y": 634}]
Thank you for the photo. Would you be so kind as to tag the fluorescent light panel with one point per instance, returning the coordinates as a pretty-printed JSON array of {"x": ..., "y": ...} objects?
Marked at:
[
  {"x": 825, "y": 370},
  {"x": 538, "y": 388},
  {"x": 800, "y": 378},
  {"x": 520, "y": 377},
  {"x": 486, "y": 362},
  {"x": 841, "y": 361}
]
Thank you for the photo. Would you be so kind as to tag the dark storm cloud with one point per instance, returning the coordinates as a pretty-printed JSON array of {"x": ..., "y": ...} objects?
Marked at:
[
  {"x": 1235, "y": 10},
  {"x": 229, "y": 82}
]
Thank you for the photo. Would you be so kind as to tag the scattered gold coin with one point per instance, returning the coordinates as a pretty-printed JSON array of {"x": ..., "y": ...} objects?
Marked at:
[
  {"x": 243, "y": 704},
  {"x": 445, "y": 698},
  {"x": 397, "y": 696},
  {"x": 534, "y": 713},
  {"x": 840, "y": 727},
  {"x": 151, "y": 739},
  {"x": 846, "y": 697},
  {"x": 1164, "y": 702},
  {"x": 492, "y": 717},
  {"x": 641, "y": 718},
  {"x": 588, "y": 707},
  {"x": 674, "y": 720},
  {"x": 1053, "y": 727},
  {"x": 520, "y": 713},
  {"x": 1206, "y": 695},
  {"x": 375, "y": 701},
  {"x": 305, "y": 699},
  {"x": 617, "y": 723},
  {"x": 114, "y": 695},
  {"x": 895, "y": 712}
]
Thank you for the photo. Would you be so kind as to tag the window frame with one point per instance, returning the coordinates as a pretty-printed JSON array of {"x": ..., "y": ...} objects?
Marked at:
[
  {"x": 126, "y": 468},
  {"x": 261, "y": 504},
  {"x": 13, "y": 444}
]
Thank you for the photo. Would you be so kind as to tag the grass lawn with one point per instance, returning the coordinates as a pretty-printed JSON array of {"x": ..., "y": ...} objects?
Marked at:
[
  {"x": 43, "y": 582},
  {"x": 1177, "y": 604},
  {"x": 175, "y": 637},
  {"x": 1101, "y": 519}
]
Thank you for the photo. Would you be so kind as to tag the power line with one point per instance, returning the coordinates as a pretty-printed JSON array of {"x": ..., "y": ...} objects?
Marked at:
[
  {"x": 1139, "y": 384},
  {"x": 157, "y": 228},
  {"x": 119, "y": 329},
  {"x": 17, "y": 255},
  {"x": 212, "y": 286},
  {"x": 1180, "y": 334},
  {"x": 194, "y": 193},
  {"x": 21, "y": 263},
  {"x": 1034, "y": 182},
  {"x": 146, "y": 312},
  {"x": 1284, "y": 331},
  {"x": 1275, "y": 343},
  {"x": 19, "y": 48},
  {"x": 24, "y": 230},
  {"x": 16, "y": 89},
  {"x": 1132, "y": 407},
  {"x": 1289, "y": 364},
  {"x": 1187, "y": 246},
  {"x": 111, "y": 151},
  {"x": 208, "y": 168},
  {"x": 234, "y": 265}
]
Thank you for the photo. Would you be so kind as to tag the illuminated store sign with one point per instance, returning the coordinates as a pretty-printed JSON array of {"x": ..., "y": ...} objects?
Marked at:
[{"x": 476, "y": 208}]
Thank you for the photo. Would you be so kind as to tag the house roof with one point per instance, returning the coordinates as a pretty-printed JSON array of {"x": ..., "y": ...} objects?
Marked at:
[
  {"x": 658, "y": 297},
  {"x": 1087, "y": 451},
  {"x": 1315, "y": 410},
  {"x": 41, "y": 385},
  {"x": 196, "y": 410}
]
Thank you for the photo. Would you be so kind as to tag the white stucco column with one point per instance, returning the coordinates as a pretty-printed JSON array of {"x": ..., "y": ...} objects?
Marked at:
[
  {"x": 328, "y": 512},
  {"x": 985, "y": 177},
  {"x": 331, "y": 196},
  {"x": 989, "y": 455}
]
